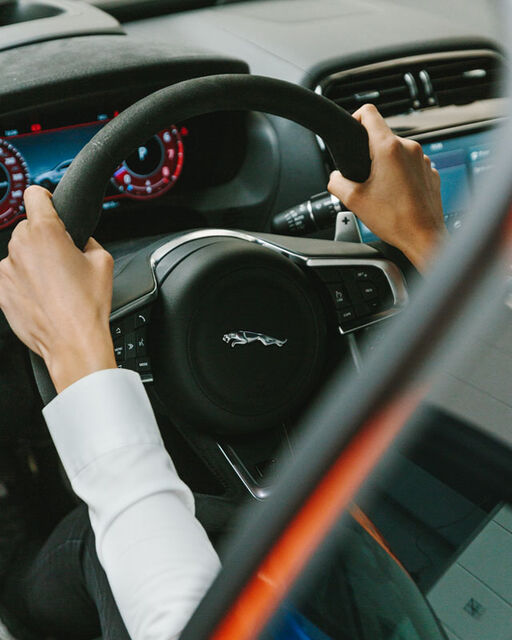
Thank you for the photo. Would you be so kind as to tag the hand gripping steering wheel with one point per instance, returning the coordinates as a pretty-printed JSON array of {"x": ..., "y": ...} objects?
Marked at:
[{"x": 240, "y": 324}]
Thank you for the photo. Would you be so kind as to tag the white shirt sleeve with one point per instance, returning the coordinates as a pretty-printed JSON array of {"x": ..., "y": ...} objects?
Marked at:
[{"x": 157, "y": 557}]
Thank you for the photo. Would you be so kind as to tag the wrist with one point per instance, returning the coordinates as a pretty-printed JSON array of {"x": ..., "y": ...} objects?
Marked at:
[
  {"x": 424, "y": 247},
  {"x": 70, "y": 360}
]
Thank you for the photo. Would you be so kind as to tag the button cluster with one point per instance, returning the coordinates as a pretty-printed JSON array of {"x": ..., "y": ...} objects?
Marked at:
[
  {"x": 358, "y": 293},
  {"x": 130, "y": 348}
]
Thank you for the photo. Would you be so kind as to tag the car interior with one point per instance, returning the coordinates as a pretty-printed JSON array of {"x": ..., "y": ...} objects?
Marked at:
[{"x": 224, "y": 235}]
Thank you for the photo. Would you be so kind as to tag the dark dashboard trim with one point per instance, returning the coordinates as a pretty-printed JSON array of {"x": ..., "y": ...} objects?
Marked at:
[
  {"x": 72, "y": 70},
  {"x": 448, "y": 132}
]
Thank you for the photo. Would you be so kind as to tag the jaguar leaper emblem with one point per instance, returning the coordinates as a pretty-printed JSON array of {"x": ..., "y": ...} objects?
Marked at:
[{"x": 245, "y": 337}]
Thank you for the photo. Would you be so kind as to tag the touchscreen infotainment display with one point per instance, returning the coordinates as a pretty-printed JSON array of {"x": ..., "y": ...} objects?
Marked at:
[{"x": 462, "y": 162}]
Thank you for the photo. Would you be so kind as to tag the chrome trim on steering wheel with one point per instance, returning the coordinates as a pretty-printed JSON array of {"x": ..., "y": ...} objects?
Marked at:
[{"x": 390, "y": 270}]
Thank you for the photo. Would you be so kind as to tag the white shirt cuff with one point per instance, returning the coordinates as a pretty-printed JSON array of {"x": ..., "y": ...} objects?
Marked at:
[{"x": 89, "y": 418}]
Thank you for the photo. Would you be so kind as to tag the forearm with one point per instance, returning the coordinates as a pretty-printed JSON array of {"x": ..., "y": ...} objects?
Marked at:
[
  {"x": 423, "y": 249},
  {"x": 157, "y": 557}
]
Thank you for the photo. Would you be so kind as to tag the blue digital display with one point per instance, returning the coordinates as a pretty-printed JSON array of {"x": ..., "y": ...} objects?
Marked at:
[{"x": 462, "y": 162}]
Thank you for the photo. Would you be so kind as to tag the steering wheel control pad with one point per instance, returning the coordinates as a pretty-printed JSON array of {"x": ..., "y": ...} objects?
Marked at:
[{"x": 244, "y": 333}]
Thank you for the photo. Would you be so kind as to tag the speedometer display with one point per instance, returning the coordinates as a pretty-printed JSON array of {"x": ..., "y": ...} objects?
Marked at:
[
  {"x": 152, "y": 168},
  {"x": 14, "y": 180},
  {"x": 36, "y": 154}
]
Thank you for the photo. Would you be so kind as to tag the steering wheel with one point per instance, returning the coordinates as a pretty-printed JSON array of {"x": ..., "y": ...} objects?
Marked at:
[{"x": 240, "y": 322}]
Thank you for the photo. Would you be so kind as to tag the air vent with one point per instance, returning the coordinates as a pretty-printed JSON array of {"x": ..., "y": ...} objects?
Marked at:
[
  {"x": 392, "y": 91},
  {"x": 418, "y": 82},
  {"x": 464, "y": 80}
]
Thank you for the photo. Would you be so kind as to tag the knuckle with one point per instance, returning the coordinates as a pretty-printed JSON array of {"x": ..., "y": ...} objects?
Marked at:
[
  {"x": 414, "y": 147},
  {"x": 331, "y": 186},
  {"x": 15, "y": 241},
  {"x": 52, "y": 226},
  {"x": 107, "y": 261},
  {"x": 393, "y": 145},
  {"x": 369, "y": 108}
]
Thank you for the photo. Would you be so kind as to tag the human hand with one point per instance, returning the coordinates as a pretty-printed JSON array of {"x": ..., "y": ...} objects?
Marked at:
[
  {"x": 55, "y": 297},
  {"x": 401, "y": 200}
]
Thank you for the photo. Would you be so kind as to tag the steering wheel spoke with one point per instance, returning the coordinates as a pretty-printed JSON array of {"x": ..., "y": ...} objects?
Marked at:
[
  {"x": 238, "y": 334},
  {"x": 235, "y": 327}
]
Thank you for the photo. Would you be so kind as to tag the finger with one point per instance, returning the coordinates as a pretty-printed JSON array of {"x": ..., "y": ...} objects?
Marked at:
[
  {"x": 428, "y": 162},
  {"x": 342, "y": 188},
  {"x": 368, "y": 115},
  {"x": 38, "y": 205},
  {"x": 95, "y": 252},
  {"x": 20, "y": 229},
  {"x": 437, "y": 176},
  {"x": 92, "y": 246}
]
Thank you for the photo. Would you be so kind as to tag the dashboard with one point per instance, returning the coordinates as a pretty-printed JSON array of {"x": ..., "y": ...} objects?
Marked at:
[{"x": 195, "y": 155}]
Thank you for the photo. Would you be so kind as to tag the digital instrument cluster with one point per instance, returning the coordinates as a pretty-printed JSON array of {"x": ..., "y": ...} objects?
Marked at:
[{"x": 40, "y": 155}]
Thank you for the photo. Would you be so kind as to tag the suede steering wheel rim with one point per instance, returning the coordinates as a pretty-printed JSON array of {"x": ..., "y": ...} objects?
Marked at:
[{"x": 79, "y": 195}]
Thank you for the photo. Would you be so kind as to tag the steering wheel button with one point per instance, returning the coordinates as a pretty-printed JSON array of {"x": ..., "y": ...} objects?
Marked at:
[
  {"x": 119, "y": 351},
  {"x": 346, "y": 315},
  {"x": 143, "y": 365},
  {"x": 141, "y": 343},
  {"x": 339, "y": 296},
  {"x": 369, "y": 291},
  {"x": 130, "y": 344},
  {"x": 366, "y": 273},
  {"x": 116, "y": 330},
  {"x": 376, "y": 305},
  {"x": 141, "y": 319}
]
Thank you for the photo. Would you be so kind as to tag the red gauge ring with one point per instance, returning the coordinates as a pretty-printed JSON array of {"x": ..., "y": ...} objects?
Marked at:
[
  {"x": 14, "y": 179},
  {"x": 152, "y": 168}
]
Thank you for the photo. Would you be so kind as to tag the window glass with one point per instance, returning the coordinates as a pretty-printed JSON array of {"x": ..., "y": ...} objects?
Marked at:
[{"x": 354, "y": 590}]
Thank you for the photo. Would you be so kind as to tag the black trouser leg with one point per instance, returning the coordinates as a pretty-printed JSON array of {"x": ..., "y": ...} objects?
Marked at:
[{"x": 64, "y": 592}]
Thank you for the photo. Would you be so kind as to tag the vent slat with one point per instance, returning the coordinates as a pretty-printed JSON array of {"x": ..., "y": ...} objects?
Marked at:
[
  {"x": 461, "y": 65},
  {"x": 465, "y": 95},
  {"x": 365, "y": 84},
  {"x": 374, "y": 95},
  {"x": 405, "y": 87},
  {"x": 465, "y": 80},
  {"x": 387, "y": 91}
]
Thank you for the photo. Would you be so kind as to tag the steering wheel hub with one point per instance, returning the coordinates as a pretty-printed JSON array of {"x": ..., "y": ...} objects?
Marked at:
[{"x": 244, "y": 335}]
